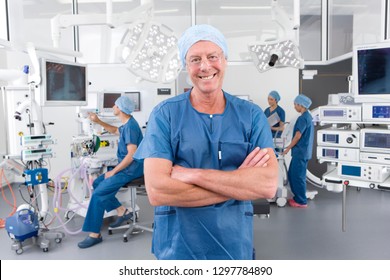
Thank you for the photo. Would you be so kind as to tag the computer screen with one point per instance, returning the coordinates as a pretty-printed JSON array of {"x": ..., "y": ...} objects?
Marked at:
[
  {"x": 371, "y": 72},
  {"x": 63, "y": 83},
  {"x": 108, "y": 101}
]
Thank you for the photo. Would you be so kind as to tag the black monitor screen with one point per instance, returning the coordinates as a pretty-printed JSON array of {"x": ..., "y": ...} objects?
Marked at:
[
  {"x": 109, "y": 99},
  {"x": 65, "y": 82},
  {"x": 373, "y": 71}
]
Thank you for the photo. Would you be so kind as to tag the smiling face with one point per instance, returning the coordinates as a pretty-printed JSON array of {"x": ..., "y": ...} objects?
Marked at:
[{"x": 206, "y": 65}]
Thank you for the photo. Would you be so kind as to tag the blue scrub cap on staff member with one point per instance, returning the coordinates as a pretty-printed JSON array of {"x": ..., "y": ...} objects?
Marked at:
[
  {"x": 275, "y": 95},
  {"x": 303, "y": 100},
  {"x": 202, "y": 32},
  {"x": 125, "y": 104}
]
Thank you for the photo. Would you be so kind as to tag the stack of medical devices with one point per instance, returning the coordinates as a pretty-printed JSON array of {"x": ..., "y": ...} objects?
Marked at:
[
  {"x": 28, "y": 222},
  {"x": 356, "y": 146}
]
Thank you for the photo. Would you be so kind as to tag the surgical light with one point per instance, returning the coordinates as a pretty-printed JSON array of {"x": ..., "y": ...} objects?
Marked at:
[
  {"x": 276, "y": 55},
  {"x": 284, "y": 50},
  {"x": 150, "y": 51}
]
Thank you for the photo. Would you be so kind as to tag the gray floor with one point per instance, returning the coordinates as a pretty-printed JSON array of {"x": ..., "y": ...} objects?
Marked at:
[{"x": 288, "y": 234}]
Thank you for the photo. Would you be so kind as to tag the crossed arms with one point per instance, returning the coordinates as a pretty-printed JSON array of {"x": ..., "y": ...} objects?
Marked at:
[{"x": 192, "y": 187}]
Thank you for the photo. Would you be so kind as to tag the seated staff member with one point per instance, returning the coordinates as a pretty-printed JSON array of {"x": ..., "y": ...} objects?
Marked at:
[{"x": 107, "y": 185}]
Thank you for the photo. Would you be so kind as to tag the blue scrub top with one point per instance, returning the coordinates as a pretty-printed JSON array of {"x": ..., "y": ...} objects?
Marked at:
[
  {"x": 129, "y": 133},
  {"x": 304, "y": 148},
  {"x": 179, "y": 133},
  {"x": 282, "y": 116}
]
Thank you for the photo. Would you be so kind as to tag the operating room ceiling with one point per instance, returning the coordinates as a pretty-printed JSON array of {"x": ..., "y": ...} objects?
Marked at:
[{"x": 49, "y": 8}]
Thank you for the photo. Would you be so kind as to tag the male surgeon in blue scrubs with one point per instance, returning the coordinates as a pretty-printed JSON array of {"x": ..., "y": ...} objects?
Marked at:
[
  {"x": 302, "y": 147},
  {"x": 206, "y": 154}
]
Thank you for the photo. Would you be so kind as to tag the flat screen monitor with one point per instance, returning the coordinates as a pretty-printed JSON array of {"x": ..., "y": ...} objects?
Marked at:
[
  {"x": 63, "y": 83},
  {"x": 371, "y": 73},
  {"x": 107, "y": 101}
]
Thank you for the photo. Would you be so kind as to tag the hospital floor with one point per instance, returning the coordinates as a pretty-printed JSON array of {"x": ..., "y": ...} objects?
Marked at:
[{"x": 288, "y": 234}]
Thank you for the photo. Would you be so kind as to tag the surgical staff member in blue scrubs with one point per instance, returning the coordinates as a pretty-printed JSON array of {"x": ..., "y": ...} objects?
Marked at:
[
  {"x": 302, "y": 147},
  {"x": 206, "y": 154},
  {"x": 274, "y": 108},
  {"x": 107, "y": 185}
]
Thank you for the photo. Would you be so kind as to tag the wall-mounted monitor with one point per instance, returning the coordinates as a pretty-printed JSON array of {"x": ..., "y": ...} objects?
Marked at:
[
  {"x": 63, "y": 83},
  {"x": 135, "y": 96},
  {"x": 371, "y": 73}
]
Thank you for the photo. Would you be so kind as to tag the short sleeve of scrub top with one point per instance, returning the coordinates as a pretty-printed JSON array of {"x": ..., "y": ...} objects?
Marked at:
[
  {"x": 303, "y": 149},
  {"x": 129, "y": 133}
]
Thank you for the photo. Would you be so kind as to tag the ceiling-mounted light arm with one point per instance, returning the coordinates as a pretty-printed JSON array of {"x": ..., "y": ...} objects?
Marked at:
[
  {"x": 288, "y": 25},
  {"x": 60, "y": 21},
  {"x": 283, "y": 51}
]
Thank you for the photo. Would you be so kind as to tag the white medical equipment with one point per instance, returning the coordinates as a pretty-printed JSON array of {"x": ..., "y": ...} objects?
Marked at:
[
  {"x": 370, "y": 68},
  {"x": 93, "y": 153},
  {"x": 338, "y": 137},
  {"x": 29, "y": 223},
  {"x": 376, "y": 140},
  {"x": 107, "y": 101},
  {"x": 337, "y": 154},
  {"x": 369, "y": 117},
  {"x": 355, "y": 154},
  {"x": 340, "y": 113},
  {"x": 376, "y": 113}
]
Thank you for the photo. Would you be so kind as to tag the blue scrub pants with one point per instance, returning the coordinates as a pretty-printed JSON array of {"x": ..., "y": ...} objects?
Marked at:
[
  {"x": 103, "y": 199},
  {"x": 297, "y": 179}
]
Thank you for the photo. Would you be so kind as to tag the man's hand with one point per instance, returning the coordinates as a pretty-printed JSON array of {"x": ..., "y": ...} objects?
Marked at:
[
  {"x": 109, "y": 174},
  {"x": 257, "y": 158},
  {"x": 93, "y": 117}
]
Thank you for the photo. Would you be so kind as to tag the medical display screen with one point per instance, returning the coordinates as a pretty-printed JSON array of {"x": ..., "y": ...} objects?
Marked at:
[
  {"x": 350, "y": 170},
  {"x": 333, "y": 113},
  {"x": 65, "y": 82},
  {"x": 330, "y": 153},
  {"x": 109, "y": 100},
  {"x": 381, "y": 112},
  {"x": 330, "y": 138},
  {"x": 373, "y": 67},
  {"x": 377, "y": 140}
]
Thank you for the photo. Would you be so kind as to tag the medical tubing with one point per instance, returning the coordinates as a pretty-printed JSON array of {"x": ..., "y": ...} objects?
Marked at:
[
  {"x": 2, "y": 174},
  {"x": 57, "y": 200},
  {"x": 82, "y": 170},
  {"x": 57, "y": 184}
]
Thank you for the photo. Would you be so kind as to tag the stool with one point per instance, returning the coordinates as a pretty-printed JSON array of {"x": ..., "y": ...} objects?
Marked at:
[
  {"x": 261, "y": 208},
  {"x": 134, "y": 225}
]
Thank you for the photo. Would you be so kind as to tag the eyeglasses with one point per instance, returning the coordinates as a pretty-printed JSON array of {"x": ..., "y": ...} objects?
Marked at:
[{"x": 196, "y": 61}]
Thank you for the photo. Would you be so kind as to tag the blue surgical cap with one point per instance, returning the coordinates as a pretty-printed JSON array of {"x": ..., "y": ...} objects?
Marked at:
[
  {"x": 202, "y": 32},
  {"x": 125, "y": 104},
  {"x": 275, "y": 95},
  {"x": 303, "y": 100}
]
